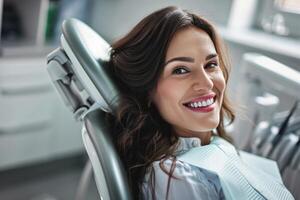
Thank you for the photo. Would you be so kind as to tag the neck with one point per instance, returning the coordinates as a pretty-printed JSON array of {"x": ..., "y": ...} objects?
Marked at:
[{"x": 205, "y": 138}]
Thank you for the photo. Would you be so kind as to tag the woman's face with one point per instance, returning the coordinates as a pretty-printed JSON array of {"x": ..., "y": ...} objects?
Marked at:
[{"x": 190, "y": 90}]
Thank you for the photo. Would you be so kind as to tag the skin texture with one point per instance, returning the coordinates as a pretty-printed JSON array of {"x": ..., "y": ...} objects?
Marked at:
[{"x": 187, "y": 79}]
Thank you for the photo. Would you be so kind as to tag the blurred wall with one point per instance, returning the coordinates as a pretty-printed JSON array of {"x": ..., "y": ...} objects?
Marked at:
[{"x": 114, "y": 18}]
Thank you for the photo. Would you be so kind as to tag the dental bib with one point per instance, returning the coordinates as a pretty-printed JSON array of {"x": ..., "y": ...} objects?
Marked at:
[{"x": 238, "y": 180}]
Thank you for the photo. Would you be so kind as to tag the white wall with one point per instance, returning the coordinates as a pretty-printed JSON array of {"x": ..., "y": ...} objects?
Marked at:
[{"x": 113, "y": 18}]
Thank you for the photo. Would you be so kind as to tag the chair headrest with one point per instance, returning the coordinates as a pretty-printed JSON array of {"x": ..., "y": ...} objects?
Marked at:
[{"x": 88, "y": 52}]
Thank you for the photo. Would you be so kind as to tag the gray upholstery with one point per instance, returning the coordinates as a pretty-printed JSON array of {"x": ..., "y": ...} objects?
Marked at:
[
  {"x": 284, "y": 150},
  {"x": 114, "y": 174},
  {"x": 291, "y": 179},
  {"x": 91, "y": 51},
  {"x": 78, "y": 71}
]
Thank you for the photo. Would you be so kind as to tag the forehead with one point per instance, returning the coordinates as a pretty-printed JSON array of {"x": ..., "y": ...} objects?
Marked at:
[{"x": 188, "y": 41}]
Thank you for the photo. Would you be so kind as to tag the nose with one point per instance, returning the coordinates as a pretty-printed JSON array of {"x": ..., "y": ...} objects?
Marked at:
[{"x": 202, "y": 81}]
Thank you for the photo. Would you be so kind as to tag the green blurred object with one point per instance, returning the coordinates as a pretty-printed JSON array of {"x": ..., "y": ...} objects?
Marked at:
[{"x": 51, "y": 20}]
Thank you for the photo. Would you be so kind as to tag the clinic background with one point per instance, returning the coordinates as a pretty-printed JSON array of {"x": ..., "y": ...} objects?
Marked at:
[{"x": 41, "y": 152}]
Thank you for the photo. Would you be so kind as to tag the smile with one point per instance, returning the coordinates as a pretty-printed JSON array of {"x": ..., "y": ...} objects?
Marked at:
[
  {"x": 199, "y": 104},
  {"x": 202, "y": 104}
]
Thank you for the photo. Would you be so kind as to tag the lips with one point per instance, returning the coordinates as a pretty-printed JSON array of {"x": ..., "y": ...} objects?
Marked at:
[{"x": 205, "y": 103}]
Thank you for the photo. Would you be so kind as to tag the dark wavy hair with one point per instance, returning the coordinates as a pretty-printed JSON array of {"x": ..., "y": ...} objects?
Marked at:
[{"x": 141, "y": 135}]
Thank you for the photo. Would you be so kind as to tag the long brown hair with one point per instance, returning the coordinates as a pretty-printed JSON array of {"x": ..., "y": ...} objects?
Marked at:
[{"x": 140, "y": 134}]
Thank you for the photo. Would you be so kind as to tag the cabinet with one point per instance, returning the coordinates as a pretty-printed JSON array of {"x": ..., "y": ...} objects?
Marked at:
[
  {"x": 23, "y": 27},
  {"x": 35, "y": 126}
]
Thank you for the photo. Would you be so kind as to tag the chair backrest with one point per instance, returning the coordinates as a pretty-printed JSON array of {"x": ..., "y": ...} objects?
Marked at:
[
  {"x": 79, "y": 73},
  {"x": 285, "y": 150},
  {"x": 291, "y": 179}
]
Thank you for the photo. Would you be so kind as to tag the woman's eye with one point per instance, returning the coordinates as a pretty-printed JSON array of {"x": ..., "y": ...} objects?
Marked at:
[
  {"x": 212, "y": 65},
  {"x": 180, "y": 70}
]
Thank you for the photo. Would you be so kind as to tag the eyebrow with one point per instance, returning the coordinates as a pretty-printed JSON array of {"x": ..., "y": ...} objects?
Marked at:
[
  {"x": 185, "y": 59},
  {"x": 210, "y": 56},
  {"x": 190, "y": 59}
]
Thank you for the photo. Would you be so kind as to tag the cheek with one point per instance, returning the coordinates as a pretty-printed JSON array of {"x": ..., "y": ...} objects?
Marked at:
[
  {"x": 167, "y": 98},
  {"x": 164, "y": 94},
  {"x": 219, "y": 82}
]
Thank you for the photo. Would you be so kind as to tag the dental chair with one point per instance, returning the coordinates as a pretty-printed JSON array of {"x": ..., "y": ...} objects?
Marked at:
[
  {"x": 77, "y": 69},
  {"x": 277, "y": 138}
]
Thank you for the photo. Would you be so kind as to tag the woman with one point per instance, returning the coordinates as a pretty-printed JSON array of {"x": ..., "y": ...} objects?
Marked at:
[{"x": 172, "y": 73}]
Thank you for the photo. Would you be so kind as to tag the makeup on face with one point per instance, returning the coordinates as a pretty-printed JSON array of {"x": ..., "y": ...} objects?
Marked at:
[
  {"x": 189, "y": 93},
  {"x": 189, "y": 59},
  {"x": 204, "y": 103}
]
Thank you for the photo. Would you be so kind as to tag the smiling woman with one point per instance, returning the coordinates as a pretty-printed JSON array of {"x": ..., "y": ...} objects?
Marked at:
[
  {"x": 172, "y": 72},
  {"x": 192, "y": 69}
]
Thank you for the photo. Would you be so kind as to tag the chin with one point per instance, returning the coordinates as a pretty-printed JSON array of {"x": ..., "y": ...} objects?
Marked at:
[{"x": 210, "y": 125}]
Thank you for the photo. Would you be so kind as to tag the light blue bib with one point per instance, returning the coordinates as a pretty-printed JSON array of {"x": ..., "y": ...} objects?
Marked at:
[{"x": 238, "y": 180}]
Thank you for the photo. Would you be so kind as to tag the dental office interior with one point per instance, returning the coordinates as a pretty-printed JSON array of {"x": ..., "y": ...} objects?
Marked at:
[{"x": 42, "y": 155}]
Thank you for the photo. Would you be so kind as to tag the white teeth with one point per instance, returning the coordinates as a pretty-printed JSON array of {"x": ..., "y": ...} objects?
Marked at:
[
  {"x": 202, "y": 103},
  {"x": 208, "y": 102}
]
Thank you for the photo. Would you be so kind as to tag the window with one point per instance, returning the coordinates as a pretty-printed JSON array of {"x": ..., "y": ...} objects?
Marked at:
[
  {"x": 281, "y": 17},
  {"x": 292, "y": 6}
]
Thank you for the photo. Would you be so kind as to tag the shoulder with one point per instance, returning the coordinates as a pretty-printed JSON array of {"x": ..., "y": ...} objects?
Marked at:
[
  {"x": 181, "y": 170},
  {"x": 186, "y": 181}
]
